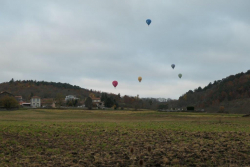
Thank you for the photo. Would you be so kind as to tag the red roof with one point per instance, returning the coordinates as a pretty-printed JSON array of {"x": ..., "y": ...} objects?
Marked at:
[
  {"x": 23, "y": 102},
  {"x": 5, "y": 92},
  {"x": 96, "y": 98},
  {"x": 35, "y": 97}
]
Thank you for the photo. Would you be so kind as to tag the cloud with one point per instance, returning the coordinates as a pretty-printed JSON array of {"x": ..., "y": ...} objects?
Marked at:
[
  {"x": 133, "y": 88},
  {"x": 92, "y": 43}
]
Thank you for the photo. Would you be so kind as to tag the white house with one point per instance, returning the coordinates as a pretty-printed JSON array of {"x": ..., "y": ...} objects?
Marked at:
[
  {"x": 96, "y": 100},
  {"x": 71, "y": 97},
  {"x": 35, "y": 102}
]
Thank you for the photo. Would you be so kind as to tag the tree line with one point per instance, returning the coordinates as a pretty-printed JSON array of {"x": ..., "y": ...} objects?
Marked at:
[{"x": 230, "y": 88}]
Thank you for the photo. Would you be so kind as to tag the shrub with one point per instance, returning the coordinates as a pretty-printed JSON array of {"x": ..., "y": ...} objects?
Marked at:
[
  {"x": 222, "y": 109},
  {"x": 190, "y": 108},
  {"x": 8, "y": 102},
  {"x": 163, "y": 106}
]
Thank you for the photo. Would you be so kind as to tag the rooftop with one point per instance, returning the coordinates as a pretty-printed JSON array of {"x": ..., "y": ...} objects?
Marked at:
[
  {"x": 35, "y": 97},
  {"x": 18, "y": 96},
  {"x": 96, "y": 98}
]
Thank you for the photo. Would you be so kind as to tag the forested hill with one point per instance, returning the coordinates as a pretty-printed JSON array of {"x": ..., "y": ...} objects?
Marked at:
[
  {"x": 43, "y": 89},
  {"x": 230, "y": 92}
]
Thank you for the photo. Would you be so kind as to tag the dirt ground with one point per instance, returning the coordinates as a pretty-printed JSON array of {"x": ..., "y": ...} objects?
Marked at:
[{"x": 179, "y": 140}]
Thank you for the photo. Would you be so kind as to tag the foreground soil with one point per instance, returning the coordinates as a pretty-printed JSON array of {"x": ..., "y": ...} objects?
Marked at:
[
  {"x": 55, "y": 138},
  {"x": 85, "y": 145}
]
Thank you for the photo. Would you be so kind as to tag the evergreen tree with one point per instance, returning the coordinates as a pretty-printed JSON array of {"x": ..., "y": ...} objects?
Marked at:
[
  {"x": 88, "y": 103},
  {"x": 104, "y": 96},
  {"x": 11, "y": 81},
  {"x": 109, "y": 102},
  {"x": 116, "y": 105}
]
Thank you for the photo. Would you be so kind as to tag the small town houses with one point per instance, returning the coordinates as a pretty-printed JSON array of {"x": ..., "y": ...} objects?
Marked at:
[
  {"x": 48, "y": 103},
  {"x": 97, "y": 103},
  {"x": 71, "y": 97},
  {"x": 38, "y": 102},
  {"x": 35, "y": 102}
]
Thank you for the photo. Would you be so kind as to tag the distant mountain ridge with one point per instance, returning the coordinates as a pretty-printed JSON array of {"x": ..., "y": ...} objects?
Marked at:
[
  {"x": 43, "y": 89},
  {"x": 232, "y": 92},
  {"x": 221, "y": 93}
]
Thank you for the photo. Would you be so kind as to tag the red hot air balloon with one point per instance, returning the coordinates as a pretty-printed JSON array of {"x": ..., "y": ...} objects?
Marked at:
[{"x": 115, "y": 83}]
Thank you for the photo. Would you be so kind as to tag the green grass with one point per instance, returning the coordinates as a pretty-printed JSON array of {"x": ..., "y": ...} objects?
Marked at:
[{"x": 181, "y": 121}]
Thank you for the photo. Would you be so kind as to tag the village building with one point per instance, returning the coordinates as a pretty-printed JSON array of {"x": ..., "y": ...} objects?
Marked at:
[
  {"x": 26, "y": 105},
  {"x": 81, "y": 103},
  {"x": 97, "y": 103},
  {"x": 19, "y": 99},
  {"x": 71, "y": 97},
  {"x": 35, "y": 102},
  {"x": 4, "y": 93},
  {"x": 48, "y": 103}
]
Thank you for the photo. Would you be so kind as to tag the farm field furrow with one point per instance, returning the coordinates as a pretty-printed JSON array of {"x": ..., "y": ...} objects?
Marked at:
[{"x": 122, "y": 138}]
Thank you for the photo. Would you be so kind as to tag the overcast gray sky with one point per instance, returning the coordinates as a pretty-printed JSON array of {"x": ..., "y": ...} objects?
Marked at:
[{"x": 90, "y": 43}]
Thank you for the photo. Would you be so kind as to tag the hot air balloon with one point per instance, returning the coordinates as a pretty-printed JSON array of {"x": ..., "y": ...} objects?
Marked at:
[
  {"x": 115, "y": 83},
  {"x": 180, "y": 75},
  {"x": 148, "y": 21},
  {"x": 173, "y": 66},
  {"x": 139, "y": 79}
]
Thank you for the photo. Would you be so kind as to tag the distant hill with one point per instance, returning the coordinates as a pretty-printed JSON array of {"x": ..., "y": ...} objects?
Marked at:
[
  {"x": 232, "y": 92},
  {"x": 43, "y": 89}
]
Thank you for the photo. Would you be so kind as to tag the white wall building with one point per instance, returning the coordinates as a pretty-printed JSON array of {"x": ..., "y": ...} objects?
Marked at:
[
  {"x": 35, "y": 102},
  {"x": 96, "y": 100},
  {"x": 71, "y": 97}
]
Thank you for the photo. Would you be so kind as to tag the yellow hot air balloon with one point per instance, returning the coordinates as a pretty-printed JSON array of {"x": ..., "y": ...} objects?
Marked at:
[{"x": 139, "y": 79}]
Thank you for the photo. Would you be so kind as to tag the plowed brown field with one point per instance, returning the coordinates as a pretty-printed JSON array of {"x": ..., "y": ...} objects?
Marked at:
[{"x": 122, "y": 138}]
